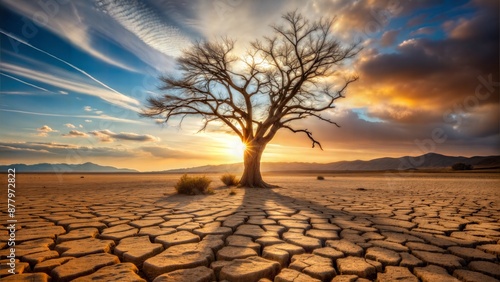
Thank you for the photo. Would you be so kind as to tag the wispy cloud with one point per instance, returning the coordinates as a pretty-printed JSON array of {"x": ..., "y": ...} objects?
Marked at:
[
  {"x": 168, "y": 153},
  {"x": 84, "y": 26},
  {"x": 16, "y": 150},
  {"x": 45, "y": 130},
  {"x": 105, "y": 117},
  {"x": 109, "y": 94},
  {"x": 24, "y": 82},
  {"x": 61, "y": 60},
  {"x": 10, "y": 151},
  {"x": 69, "y": 125},
  {"x": 21, "y": 92},
  {"x": 68, "y": 22},
  {"x": 75, "y": 133},
  {"x": 65, "y": 81},
  {"x": 109, "y": 136},
  {"x": 147, "y": 25}
]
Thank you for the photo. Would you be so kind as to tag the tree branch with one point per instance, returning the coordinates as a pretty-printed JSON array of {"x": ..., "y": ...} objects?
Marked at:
[{"x": 307, "y": 132}]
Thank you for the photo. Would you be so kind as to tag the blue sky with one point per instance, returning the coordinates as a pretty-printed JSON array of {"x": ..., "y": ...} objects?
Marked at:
[{"x": 75, "y": 74}]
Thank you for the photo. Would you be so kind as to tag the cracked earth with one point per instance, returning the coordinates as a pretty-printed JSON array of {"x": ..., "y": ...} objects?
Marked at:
[{"x": 135, "y": 228}]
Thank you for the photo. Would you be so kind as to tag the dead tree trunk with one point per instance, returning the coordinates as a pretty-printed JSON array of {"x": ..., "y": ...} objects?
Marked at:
[{"x": 251, "y": 175}]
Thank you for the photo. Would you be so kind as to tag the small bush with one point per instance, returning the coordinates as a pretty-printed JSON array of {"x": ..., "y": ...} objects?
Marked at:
[
  {"x": 320, "y": 178},
  {"x": 232, "y": 192},
  {"x": 193, "y": 185},
  {"x": 229, "y": 179},
  {"x": 461, "y": 166}
]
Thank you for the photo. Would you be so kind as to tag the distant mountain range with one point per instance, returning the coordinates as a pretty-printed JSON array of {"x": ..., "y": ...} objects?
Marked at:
[
  {"x": 64, "y": 168},
  {"x": 427, "y": 161}
]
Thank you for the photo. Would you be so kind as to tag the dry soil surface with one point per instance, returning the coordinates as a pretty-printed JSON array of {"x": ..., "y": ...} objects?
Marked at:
[{"x": 133, "y": 227}]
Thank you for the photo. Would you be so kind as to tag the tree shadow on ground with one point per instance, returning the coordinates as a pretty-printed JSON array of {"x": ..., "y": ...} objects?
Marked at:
[{"x": 355, "y": 211}]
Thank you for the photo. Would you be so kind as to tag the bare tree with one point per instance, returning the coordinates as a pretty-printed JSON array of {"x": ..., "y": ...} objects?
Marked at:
[{"x": 281, "y": 79}]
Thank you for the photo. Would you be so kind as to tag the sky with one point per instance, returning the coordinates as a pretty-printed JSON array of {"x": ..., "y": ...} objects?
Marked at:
[{"x": 74, "y": 76}]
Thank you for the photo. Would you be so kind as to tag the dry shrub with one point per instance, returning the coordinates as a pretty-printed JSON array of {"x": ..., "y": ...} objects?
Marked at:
[
  {"x": 229, "y": 179},
  {"x": 193, "y": 185},
  {"x": 320, "y": 178}
]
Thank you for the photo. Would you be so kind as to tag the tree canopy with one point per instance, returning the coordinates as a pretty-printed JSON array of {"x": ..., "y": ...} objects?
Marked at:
[{"x": 281, "y": 79}]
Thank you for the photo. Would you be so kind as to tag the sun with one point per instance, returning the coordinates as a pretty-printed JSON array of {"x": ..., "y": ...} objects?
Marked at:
[{"x": 236, "y": 147}]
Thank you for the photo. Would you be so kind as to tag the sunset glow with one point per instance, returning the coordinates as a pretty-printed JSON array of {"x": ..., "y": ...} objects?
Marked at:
[
  {"x": 236, "y": 148},
  {"x": 72, "y": 86}
]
